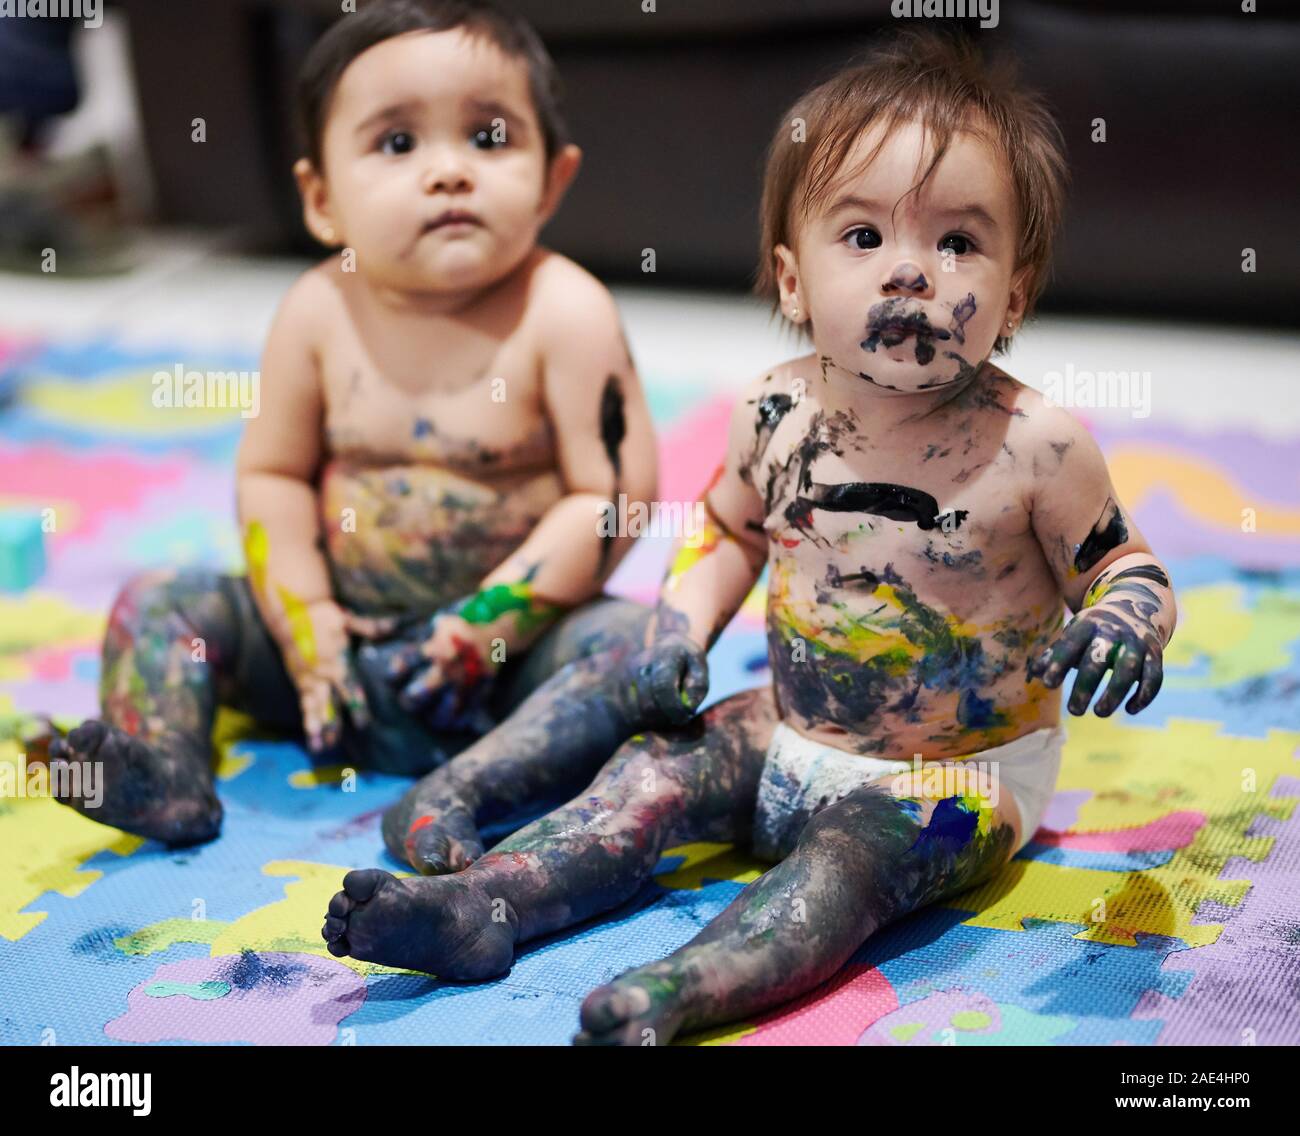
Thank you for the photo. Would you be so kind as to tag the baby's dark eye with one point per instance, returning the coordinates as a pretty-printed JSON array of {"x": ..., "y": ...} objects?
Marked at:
[
  {"x": 960, "y": 245},
  {"x": 862, "y": 238},
  {"x": 485, "y": 139},
  {"x": 397, "y": 142}
]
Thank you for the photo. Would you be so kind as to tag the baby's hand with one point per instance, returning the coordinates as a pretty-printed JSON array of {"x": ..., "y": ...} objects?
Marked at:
[
  {"x": 453, "y": 664},
  {"x": 670, "y": 679},
  {"x": 319, "y": 661},
  {"x": 1100, "y": 639}
]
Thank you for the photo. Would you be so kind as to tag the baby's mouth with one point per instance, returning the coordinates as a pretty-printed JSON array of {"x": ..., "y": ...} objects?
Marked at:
[
  {"x": 889, "y": 323},
  {"x": 452, "y": 219}
]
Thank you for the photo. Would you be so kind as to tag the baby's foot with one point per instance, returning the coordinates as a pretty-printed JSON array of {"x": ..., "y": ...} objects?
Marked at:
[
  {"x": 446, "y": 926},
  {"x": 642, "y": 1007},
  {"x": 432, "y": 828},
  {"x": 141, "y": 789}
]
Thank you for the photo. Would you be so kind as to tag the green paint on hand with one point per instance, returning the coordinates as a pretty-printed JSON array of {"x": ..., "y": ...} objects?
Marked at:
[
  {"x": 971, "y": 1020},
  {"x": 905, "y": 1033},
  {"x": 202, "y": 991},
  {"x": 490, "y": 604}
]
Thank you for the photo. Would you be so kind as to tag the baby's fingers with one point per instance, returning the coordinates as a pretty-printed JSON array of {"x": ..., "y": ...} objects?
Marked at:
[
  {"x": 405, "y": 661},
  {"x": 679, "y": 683},
  {"x": 370, "y": 626},
  {"x": 1093, "y": 663},
  {"x": 352, "y": 695},
  {"x": 1053, "y": 664},
  {"x": 317, "y": 712},
  {"x": 1127, "y": 670},
  {"x": 1153, "y": 674},
  {"x": 421, "y": 689}
]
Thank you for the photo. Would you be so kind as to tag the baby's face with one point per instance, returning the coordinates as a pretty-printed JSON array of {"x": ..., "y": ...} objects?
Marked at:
[
  {"x": 434, "y": 162},
  {"x": 910, "y": 299}
]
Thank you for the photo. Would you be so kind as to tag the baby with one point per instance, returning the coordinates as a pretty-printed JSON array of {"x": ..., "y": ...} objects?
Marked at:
[
  {"x": 446, "y": 405},
  {"x": 925, "y": 518}
]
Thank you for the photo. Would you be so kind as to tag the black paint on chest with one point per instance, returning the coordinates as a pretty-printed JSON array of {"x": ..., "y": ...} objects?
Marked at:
[{"x": 881, "y": 499}]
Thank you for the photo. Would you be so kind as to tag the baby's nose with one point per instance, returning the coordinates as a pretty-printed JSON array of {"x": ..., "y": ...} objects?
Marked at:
[
  {"x": 907, "y": 276},
  {"x": 446, "y": 174}
]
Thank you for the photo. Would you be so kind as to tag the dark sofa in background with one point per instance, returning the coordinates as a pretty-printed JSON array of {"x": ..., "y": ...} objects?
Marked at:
[{"x": 674, "y": 109}]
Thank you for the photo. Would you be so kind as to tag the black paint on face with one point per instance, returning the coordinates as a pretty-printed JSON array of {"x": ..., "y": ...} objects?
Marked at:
[
  {"x": 1108, "y": 533},
  {"x": 889, "y": 322},
  {"x": 960, "y": 314},
  {"x": 897, "y": 502}
]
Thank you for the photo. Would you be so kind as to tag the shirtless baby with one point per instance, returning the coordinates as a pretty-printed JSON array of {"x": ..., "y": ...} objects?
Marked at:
[
  {"x": 445, "y": 406},
  {"x": 925, "y": 518}
]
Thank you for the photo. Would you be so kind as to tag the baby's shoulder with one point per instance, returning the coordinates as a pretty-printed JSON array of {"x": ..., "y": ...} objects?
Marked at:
[
  {"x": 1048, "y": 434},
  {"x": 789, "y": 381},
  {"x": 564, "y": 298},
  {"x": 314, "y": 299}
]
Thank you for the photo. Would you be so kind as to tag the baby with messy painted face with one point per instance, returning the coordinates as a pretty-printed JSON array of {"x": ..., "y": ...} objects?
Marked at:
[
  {"x": 925, "y": 518},
  {"x": 445, "y": 405}
]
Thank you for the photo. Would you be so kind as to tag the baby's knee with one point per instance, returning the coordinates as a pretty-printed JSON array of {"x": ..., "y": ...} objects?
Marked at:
[
  {"x": 144, "y": 595},
  {"x": 870, "y": 818},
  {"x": 638, "y": 768}
]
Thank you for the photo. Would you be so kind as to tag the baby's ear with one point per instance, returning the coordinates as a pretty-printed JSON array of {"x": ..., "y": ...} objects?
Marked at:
[
  {"x": 315, "y": 202},
  {"x": 559, "y": 176},
  {"x": 1019, "y": 297}
]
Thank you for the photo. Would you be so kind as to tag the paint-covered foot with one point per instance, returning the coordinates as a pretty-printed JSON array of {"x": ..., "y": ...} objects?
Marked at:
[
  {"x": 642, "y": 1007},
  {"x": 445, "y": 926},
  {"x": 119, "y": 780},
  {"x": 432, "y": 828}
]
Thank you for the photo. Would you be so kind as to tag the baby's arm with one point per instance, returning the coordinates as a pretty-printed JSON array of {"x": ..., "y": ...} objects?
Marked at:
[
  {"x": 279, "y": 516},
  {"x": 711, "y": 572},
  {"x": 1110, "y": 578},
  {"x": 606, "y": 447}
]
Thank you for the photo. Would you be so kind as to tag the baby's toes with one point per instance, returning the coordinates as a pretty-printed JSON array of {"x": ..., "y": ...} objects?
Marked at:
[
  {"x": 361, "y": 884},
  {"x": 613, "y": 1006},
  {"x": 335, "y": 931}
]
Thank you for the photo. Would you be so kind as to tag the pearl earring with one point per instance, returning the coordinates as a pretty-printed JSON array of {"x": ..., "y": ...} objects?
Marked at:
[
  {"x": 794, "y": 313},
  {"x": 327, "y": 234}
]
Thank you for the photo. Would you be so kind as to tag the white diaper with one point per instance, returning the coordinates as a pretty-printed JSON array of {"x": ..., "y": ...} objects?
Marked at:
[{"x": 801, "y": 777}]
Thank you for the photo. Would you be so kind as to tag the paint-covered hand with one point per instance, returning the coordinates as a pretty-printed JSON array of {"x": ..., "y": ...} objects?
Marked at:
[
  {"x": 445, "y": 676},
  {"x": 670, "y": 679},
  {"x": 318, "y": 658},
  {"x": 1101, "y": 639}
]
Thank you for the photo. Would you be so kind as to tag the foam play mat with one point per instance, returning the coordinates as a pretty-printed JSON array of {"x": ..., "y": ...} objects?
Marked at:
[{"x": 1158, "y": 904}]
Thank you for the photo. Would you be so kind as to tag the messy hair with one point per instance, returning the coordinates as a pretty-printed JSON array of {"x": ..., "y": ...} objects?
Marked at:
[
  {"x": 943, "y": 83},
  {"x": 381, "y": 20}
]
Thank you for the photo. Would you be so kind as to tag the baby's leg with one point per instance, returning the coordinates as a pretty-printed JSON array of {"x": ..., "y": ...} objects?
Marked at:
[
  {"x": 177, "y": 643},
  {"x": 859, "y": 864},
  {"x": 697, "y": 783},
  {"x": 572, "y": 707}
]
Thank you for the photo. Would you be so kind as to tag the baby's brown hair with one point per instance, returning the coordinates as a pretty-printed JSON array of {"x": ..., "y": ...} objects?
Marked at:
[
  {"x": 943, "y": 83},
  {"x": 381, "y": 20}
]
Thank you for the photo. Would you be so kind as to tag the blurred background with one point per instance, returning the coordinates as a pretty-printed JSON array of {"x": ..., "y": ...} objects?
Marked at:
[
  {"x": 170, "y": 252},
  {"x": 674, "y": 108}
]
